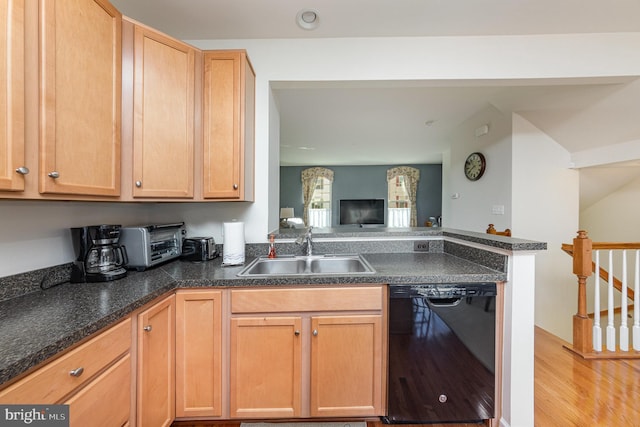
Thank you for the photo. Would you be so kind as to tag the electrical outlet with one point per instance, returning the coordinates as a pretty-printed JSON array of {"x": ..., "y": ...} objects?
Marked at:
[{"x": 421, "y": 246}]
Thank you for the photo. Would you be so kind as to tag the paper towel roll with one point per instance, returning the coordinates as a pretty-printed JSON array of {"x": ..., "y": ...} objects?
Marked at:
[{"x": 233, "y": 246}]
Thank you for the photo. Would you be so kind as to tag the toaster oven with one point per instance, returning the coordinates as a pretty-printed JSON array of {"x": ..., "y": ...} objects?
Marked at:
[{"x": 150, "y": 245}]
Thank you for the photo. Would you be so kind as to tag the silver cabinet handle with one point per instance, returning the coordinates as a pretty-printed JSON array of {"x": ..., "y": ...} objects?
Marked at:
[
  {"x": 235, "y": 186},
  {"x": 138, "y": 184},
  {"x": 76, "y": 372},
  {"x": 315, "y": 332},
  {"x": 148, "y": 328},
  {"x": 54, "y": 174},
  {"x": 296, "y": 333},
  {"x": 23, "y": 170}
]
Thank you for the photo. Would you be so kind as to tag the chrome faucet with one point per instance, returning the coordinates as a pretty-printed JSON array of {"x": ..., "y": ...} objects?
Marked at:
[{"x": 308, "y": 237}]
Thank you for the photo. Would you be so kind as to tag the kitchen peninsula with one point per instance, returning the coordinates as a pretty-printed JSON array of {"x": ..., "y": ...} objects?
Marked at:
[{"x": 39, "y": 325}]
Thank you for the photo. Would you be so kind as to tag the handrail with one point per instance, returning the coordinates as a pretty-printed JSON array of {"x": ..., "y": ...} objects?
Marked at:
[
  {"x": 604, "y": 274},
  {"x": 605, "y": 245},
  {"x": 587, "y": 332}
]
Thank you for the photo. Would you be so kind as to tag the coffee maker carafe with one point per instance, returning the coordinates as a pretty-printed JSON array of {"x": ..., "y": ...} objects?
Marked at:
[{"x": 99, "y": 257}]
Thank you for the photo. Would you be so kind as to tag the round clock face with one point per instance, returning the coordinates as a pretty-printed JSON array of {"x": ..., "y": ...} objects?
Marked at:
[{"x": 474, "y": 166}]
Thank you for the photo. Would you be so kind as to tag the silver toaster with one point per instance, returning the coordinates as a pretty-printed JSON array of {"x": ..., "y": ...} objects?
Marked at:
[{"x": 199, "y": 249}]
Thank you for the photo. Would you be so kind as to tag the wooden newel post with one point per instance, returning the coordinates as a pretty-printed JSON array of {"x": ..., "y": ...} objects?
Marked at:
[{"x": 582, "y": 267}]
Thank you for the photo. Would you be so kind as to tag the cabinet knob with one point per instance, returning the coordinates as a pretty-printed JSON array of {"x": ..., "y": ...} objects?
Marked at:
[
  {"x": 138, "y": 184},
  {"x": 54, "y": 174},
  {"x": 235, "y": 186},
  {"x": 296, "y": 333},
  {"x": 315, "y": 332},
  {"x": 23, "y": 170},
  {"x": 148, "y": 328},
  {"x": 76, "y": 372}
]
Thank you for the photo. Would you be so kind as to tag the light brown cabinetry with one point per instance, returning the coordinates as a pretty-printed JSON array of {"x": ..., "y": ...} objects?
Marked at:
[
  {"x": 80, "y": 108},
  {"x": 96, "y": 371},
  {"x": 12, "y": 154},
  {"x": 307, "y": 352},
  {"x": 156, "y": 364},
  {"x": 228, "y": 126},
  {"x": 346, "y": 365},
  {"x": 265, "y": 363},
  {"x": 163, "y": 122},
  {"x": 114, "y": 407},
  {"x": 198, "y": 353}
]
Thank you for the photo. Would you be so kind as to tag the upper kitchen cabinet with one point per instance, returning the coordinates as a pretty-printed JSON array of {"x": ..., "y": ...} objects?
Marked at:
[
  {"x": 12, "y": 155},
  {"x": 162, "y": 124},
  {"x": 228, "y": 126},
  {"x": 80, "y": 97}
]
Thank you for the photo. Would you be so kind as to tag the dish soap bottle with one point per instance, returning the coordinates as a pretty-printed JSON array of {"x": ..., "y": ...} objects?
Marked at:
[{"x": 272, "y": 246}]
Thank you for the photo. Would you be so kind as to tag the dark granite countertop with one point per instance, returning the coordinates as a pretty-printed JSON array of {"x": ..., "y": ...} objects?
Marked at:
[{"x": 38, "y": 325}]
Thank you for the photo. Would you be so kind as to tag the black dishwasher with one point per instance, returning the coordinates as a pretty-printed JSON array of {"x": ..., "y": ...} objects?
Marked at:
[{"x": 441, "y": 353}]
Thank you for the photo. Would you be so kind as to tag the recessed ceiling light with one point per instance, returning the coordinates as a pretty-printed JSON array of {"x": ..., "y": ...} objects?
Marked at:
[{"x": 307, "y": 19}]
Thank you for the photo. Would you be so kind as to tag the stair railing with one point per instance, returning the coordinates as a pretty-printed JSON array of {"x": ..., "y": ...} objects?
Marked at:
[{"x": 587, "y": 332}]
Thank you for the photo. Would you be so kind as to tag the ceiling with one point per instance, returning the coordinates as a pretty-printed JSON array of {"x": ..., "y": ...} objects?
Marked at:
[
  {"x": 255, "y": 19},
  {"x": 356, "y": 117}
]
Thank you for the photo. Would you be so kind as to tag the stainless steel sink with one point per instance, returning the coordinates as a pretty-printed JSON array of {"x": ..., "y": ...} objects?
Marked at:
[{"x": 307, "y": 265}]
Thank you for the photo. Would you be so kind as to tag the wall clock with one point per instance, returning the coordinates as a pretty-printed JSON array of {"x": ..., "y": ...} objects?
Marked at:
[{"x": 474, "y": 166}]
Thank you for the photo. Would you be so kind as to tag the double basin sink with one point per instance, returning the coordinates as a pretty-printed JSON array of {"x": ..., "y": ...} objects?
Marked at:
[{"x": 307, "y": 265}]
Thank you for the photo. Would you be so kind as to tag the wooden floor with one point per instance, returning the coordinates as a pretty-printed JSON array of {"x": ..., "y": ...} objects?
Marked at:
[{"x": 569, "y": 391}]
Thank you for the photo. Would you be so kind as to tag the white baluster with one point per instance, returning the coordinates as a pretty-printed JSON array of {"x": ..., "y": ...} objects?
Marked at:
[
  {"x": 636, "y": 304},
  {"x": 624, "y": 328},
  {"x": 611, "y": 330},
  {"x": 597, "y": 330}
]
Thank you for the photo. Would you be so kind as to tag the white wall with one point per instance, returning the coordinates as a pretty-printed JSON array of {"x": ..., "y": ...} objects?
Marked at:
[
  {"x": 469, "y": 203},
  {"x": 614, "y": 218},
  {"x": 35, "y": 234},
  {"x": 545, "y": 208}
]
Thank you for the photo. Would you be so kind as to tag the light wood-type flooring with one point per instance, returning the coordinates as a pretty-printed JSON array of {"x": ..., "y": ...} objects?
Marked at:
[{"x": 569, "y": 391}]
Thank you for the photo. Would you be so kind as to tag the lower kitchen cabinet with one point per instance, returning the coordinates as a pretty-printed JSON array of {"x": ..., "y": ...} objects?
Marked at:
[
  {"x": 94, "y": 379},
  {"x": 346, "y": 366},
  {"x": 307, "y": 352},
  {"x": 198, "y": 353},
  {"x": 265, "y": 357},
  {"x": 156, "y": 365},
  {"x": 114, "y": 407}
]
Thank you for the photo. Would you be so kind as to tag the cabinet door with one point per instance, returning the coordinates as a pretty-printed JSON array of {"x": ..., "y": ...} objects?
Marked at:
[
  {"x": 346, "y": 366},
  {"x": 228, "y": 126},
  {"x": 12, "y": 160},
  {"x": 155, "y": 365},
  {"x": 265, "y": 377},
  {"x": 163, "y": 124},
  {"x": 198, "y": 353},
  {"x": 111, "y": 390},
  {"x": 80, "y": 108}
]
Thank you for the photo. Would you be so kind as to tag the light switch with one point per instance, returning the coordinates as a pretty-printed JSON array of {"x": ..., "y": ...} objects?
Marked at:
[{"x": 497, "y": 210}]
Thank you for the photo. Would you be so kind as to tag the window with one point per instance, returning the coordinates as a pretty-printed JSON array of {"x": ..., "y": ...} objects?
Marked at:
[
  {"x": 316, "y": 188},
  {"x": 320, "y": 209},
  {"x": 399, "y": 204},
  {"x": 402, "y": 183}
]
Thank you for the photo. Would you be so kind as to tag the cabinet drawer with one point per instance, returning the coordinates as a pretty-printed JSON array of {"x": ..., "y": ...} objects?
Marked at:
[
  {"x": 54, "y": 381},
  {"x": 306, "y": 299},
  {"x": 105, "y": 401}
]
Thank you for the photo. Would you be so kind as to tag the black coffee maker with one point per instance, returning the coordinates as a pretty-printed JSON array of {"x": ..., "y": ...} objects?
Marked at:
[{"x": 99, "y": 257}]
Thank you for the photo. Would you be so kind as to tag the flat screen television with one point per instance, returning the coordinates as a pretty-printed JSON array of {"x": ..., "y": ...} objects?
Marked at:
[{"x": 362, "y": 211}]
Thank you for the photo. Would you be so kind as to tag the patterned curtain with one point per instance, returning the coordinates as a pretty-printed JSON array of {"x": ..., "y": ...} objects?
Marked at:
[
  {"x": 309, "y": 178},
  {"x": 411, "y": 177}
]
